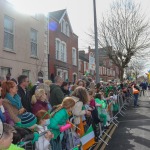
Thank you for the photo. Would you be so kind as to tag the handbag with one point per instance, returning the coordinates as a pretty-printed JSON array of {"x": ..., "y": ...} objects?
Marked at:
[{"x": 135, "y": 91}]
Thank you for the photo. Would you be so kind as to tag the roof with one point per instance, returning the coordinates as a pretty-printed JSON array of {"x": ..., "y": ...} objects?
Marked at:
[
  {"x": 102, "y": 52},
  {"x": 57, "y": 14}
]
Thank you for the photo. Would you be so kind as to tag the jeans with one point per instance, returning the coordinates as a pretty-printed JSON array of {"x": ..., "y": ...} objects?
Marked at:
[{"x": 135, "y": 99}]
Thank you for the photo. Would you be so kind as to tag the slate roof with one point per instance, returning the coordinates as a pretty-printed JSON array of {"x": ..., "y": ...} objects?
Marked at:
[{"x": 57, "y": 14}]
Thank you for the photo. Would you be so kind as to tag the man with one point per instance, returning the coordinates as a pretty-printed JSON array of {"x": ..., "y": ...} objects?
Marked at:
[
  {"x": 23, "y": 83},
  {"x": 56, "y": 94},
  {"x": 143, "y": 85}
]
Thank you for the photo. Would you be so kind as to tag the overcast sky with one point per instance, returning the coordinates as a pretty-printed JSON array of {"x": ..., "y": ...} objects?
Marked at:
[{"x": 80, "y": 12}]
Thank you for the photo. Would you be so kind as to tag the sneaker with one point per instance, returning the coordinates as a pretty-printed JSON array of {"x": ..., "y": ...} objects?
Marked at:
[
  {"x": 107, "y": 124},
  {"x": 106, "y": 127}
]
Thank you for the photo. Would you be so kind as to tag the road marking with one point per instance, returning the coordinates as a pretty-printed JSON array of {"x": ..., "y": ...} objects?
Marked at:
[{"x": 107, "y": 140}]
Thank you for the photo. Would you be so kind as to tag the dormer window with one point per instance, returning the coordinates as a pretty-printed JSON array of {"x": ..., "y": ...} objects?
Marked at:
[{"x": 65, "y": 27}]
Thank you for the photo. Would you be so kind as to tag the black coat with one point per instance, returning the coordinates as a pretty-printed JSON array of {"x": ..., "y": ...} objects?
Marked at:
[{"x": 25, "y": 98}]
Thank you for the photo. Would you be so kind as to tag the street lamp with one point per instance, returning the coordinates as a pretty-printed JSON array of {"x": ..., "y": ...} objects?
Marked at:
[{"x": 96, "y": 44}]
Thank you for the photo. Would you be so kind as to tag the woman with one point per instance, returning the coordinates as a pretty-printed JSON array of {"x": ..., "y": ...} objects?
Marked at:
[
  {"x": 81, "y": 83},
  {"x": 81, "y": 98},
  {"x": 136, "y": 91},
  {"x": 12, "y": 101},
  {"x": 39, "y": 101},
  {"x": 59, "y": 118}
]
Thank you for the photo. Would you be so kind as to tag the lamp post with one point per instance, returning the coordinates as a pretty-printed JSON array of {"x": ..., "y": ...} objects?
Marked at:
[{"x": 96, "y": 44}]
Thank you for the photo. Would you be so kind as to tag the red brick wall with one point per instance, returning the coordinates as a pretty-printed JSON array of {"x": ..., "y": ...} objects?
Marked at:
[{"x": 71, "y": 41}]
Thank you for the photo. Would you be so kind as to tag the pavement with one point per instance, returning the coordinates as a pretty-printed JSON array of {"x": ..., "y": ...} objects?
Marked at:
[{"x": 133, "y": 131}]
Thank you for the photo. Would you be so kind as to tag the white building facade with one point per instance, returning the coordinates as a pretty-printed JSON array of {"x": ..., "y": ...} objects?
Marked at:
[{"x": 23, "y": 44}]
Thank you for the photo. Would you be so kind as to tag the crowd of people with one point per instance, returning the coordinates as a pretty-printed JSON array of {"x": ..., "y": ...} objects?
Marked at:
[{"x": 42, "y": 114}]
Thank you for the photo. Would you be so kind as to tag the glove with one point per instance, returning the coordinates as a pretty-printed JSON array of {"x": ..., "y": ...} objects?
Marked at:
[{"x": 36, "y": 137}]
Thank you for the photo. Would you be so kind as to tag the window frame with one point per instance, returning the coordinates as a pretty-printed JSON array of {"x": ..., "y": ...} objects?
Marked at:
[
  {"x": 74, "y": 59},
  {"x": 9, "y": 33},
  {"x": 32, "y": 42}
]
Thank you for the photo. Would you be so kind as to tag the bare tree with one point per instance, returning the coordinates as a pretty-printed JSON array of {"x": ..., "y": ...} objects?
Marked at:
[
  {"x": 135, "y": 68},
  {"x": 124, "y": 33}
]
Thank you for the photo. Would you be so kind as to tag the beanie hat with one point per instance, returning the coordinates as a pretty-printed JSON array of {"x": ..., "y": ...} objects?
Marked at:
[{"x": 28, "y": 120}]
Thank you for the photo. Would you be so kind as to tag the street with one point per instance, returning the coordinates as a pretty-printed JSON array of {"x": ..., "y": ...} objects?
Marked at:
[{"x": 133, "y": 132}]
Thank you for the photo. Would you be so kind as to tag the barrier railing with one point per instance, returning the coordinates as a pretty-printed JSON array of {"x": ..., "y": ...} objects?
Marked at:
[{"x": 88, "y": 139}]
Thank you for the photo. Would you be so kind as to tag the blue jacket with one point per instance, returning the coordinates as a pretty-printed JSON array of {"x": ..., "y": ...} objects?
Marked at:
[{"x": 2, "y": 117}]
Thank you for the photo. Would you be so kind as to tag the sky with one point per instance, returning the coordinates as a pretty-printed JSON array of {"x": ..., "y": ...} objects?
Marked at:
[{"x": 80, "y": 13}]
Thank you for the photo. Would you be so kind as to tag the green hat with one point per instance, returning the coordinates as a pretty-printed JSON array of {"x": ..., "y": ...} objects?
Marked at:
[{"x": 28, "y": 120}]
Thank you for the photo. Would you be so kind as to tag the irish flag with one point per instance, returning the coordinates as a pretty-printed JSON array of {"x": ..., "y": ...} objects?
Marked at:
[{"x": 88, "y": 138}]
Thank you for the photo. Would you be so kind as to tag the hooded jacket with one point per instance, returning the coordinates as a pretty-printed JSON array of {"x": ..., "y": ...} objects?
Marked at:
[{"x": 56, "y": 95}]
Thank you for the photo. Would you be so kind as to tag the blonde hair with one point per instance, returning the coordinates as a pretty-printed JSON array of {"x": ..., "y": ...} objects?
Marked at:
[
  {"x": 38, "y": 94},
  {"x": 67, "y": 103},
  {"x": 48, "y": 82},
  {"x": 46, "y": 88}
]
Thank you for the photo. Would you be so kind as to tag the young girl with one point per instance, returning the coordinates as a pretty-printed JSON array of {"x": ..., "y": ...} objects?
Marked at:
[
  {"x": 43, "y": 142},
  {"x": 59, "y": 117},
  {"x": 81, "y": 98},
  {"x": 102, "y": 105}
]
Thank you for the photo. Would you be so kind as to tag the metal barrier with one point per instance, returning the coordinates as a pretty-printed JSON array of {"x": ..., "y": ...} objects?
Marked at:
[{"x": 89, "y": 138}]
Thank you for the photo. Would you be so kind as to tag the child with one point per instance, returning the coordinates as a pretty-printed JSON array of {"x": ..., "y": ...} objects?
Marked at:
[
  {"x": 102, "y": 105},
  {"x": 59, "y": 117},
  {"x": 28, "y": 123},
  {"x": 43, "y": 142},
  {"x": 81, "y": 98}
]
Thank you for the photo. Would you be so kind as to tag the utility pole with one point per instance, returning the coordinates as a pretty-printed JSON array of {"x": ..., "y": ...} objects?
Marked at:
[{"x": 96, "y": 44}]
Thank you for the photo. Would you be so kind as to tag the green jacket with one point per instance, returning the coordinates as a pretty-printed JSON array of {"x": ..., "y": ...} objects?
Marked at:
[
  {"x": 59, "y": 119},
  {"x": 56, "y": 95},
  {"x": 102, "y": 102}
]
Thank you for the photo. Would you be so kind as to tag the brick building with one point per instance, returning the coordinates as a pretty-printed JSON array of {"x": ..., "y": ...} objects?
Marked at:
[
  {"x": 107, "y": 70},
  {"x": 83, "y": 63},
  {"x": 63, "y": 47}
]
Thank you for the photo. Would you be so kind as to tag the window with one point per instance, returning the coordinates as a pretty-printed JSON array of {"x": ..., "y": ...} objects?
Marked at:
[
  {"x": 67, "y": 29},
  {"x": 33, "y": 43},
  {"x": 26, "y": 72},
  {"x": 84, "y": 66},
  {"x": 80, "y": 63},
  {"x": 58, "y": 49},
  {"x": 65, "y": 75},
  {"x": 74, "y": 56},
  {"x": 63, "y": 26},
  {"x": 4, "y": 71},
  {"x": 61, "y": 51},
  {"x": 8, "y": 33}
]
